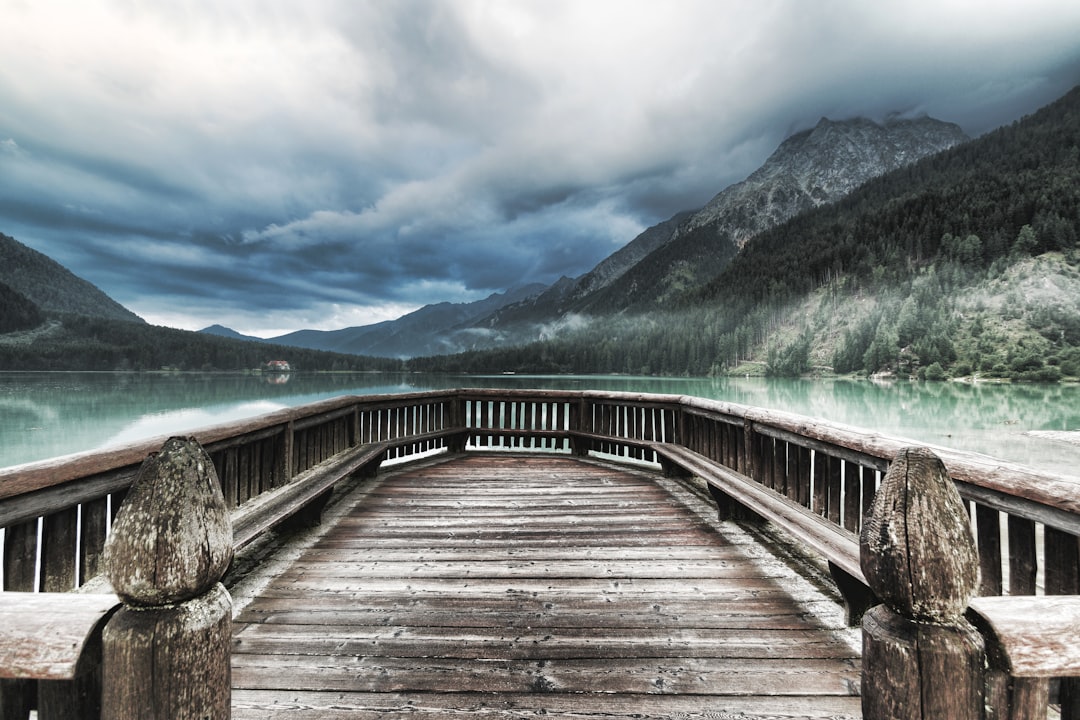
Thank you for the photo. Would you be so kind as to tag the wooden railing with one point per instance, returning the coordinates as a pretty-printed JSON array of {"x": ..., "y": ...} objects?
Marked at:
[
  {"x": 55, "y": 515},
  {"x": 62, "y": 507}
]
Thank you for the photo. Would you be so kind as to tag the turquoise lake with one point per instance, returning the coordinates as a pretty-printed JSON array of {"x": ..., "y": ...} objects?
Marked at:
[{"x": 43, "y": 415}]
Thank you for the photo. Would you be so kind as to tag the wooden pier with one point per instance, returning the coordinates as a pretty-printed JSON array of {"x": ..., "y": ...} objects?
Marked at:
[
  {"x": 508, "y": 554},
  {"x": 494, "y": 586}
]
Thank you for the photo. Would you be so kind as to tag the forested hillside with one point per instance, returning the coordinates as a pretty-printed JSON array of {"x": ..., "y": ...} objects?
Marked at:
[
  {"x": 966, "y": 262},
  {"x": 51, "y": 286},
  {"x": 18, "y": 312},
  {"x": 78, "y": 342}
]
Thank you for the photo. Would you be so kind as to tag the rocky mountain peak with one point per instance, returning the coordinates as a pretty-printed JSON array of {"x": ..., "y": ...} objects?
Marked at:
[{"x": 819, "y": 165}]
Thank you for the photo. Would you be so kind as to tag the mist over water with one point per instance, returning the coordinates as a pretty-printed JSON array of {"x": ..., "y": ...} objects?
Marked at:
[{"x": 44, "y": 415}]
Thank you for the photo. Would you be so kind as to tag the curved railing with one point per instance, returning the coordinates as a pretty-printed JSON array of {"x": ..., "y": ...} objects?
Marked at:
[{"x": 55, "y": 514}]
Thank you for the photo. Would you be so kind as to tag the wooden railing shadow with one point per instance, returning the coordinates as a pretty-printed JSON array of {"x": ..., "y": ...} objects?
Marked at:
[{"x": 814, "y": 480}]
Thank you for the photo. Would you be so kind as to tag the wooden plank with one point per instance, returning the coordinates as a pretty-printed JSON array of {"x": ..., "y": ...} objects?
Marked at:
[
  {"x": 1032, "y": 636},
  {"x": 487, "y": 644},
  {"x": 20, "y": 556},
  {"x": 742, "y": 613},
  {"x": 92, "y": 531},
  {"x": 988, "y": 534},
  {"x": 708, "y": 676},
  {"x": 59, "y": 540},
  {"x": 501, "y": 570},
  {"x": 43, "y": 635},
  {"x": 557, "y": 583},
  {"x": 262, "y": 704}
]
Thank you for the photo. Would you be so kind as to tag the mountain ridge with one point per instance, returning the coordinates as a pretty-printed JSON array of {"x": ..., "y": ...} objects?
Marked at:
[
  {"x": 438, "y": 328},
  {"x": 52, "y": 287},
  {"x": 812, "y": 167},
  {"x": 964, "y": 264}
]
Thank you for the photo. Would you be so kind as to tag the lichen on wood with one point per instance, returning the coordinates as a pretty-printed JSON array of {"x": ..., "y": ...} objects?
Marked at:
[
  {"x": 917, "y": 549},
  {"x": 172, "y": 539}
]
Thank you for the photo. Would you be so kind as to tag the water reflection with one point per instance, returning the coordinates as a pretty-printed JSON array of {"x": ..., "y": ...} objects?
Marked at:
[{"x": 43, "y": 415}]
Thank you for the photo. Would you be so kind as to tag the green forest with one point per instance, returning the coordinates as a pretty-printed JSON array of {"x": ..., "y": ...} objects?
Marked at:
[{"x": 78, "y": 342}]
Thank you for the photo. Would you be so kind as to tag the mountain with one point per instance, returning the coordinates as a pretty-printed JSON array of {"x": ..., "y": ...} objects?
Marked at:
[
  {"x": 432, "y": 330},
  {"x": 52, "y": 287},
  {"x": 817, "y": 166},
  {"x": 963, "y": 264},
  {"x": 222, "y": 331},
  {"x": 809, "y": 169},
  {"x": 538, "y": 314}
]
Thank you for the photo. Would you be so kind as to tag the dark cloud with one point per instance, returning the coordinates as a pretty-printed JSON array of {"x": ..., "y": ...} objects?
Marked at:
[{"x": 272, "y": 165}]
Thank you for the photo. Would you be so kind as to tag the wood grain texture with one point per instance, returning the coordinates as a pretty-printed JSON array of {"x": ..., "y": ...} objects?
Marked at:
[
  {"x": 921, "y": 658},
  {"x": 169, "y": 663},
  {"x": 509, "y": 586},
  {"x": 917, "y": 549},
  {"x": 172, "y": 539},
  {"x": 1032, "y": 636},
  {"x": 44, "y": 635}
]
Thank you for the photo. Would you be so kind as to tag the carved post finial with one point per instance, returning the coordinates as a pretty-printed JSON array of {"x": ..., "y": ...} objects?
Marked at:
[
  {"x": 917, "y": 550},
  {"x": 921, "y": 658},
  {"x": 172, "y": 539},
  {"x": 166, "y": 654}
]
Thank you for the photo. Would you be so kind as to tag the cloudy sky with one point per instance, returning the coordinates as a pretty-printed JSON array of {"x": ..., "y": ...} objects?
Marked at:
[{"x": 273, "y": 165}]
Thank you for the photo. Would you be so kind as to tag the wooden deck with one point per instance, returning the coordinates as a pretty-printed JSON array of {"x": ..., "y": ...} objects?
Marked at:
[{"x": 499, "y": 586}]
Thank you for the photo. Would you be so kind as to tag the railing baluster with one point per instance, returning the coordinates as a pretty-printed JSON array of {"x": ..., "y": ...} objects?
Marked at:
[
  {"x": 59, "y": 541},
  {"x": 1023, "y": 561},
  {"x": 869, "y": 489},
  {"x": 20, "y": 556},
  {"x": 852, "y": 495},
  {"x": 92, "y": 530},
  {"x": 1062, "y": 553},
  {"x": 804, "y": 468},
  {"x": 988, "y": 540},
  {"x": 821, "y": 484},
  {"x": 835, "y": 483},
  {"x": 779, "y": 466}
]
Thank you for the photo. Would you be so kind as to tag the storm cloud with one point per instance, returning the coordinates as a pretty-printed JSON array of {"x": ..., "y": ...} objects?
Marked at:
[{"x": 273, "y": 165}]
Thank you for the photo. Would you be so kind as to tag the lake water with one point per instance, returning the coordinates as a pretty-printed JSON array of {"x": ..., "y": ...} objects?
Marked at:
[{"x": 44, "y": 415}]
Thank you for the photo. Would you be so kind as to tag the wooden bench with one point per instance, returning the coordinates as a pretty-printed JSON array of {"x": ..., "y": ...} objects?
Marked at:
[
  {"x": 837, "y": 546},
  {"x": 52, "y": 641},
  {"x": 1028, "y": 641},
  {"x": 303, "y": 499}
]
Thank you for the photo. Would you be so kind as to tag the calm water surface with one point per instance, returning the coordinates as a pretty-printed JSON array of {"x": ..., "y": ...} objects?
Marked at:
[{"x": 44, "y": 415}]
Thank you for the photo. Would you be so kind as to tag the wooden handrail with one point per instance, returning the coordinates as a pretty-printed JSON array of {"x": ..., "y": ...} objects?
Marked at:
[
  {"x": 250, "y": 456},
  {"x": 274, "y": 464}
]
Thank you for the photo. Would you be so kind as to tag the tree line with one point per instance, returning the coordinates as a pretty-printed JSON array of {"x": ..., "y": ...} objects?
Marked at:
[{"x": 78, "y": 342}]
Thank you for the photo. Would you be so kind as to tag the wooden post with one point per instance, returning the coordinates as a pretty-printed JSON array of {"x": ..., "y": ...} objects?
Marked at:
[
  {"x": 455, "y": 409},
  {"x": 921, "y": 658},
  {"x": 167, "y": 651}
]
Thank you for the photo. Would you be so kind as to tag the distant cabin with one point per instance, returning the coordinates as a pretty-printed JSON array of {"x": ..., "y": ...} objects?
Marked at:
[{"x": 278, "y": 366}]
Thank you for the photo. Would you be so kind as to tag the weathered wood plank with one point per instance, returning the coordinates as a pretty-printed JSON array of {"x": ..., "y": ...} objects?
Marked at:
[
  {"x": 775, "y": 613},
  {"x": 547, "y": 644},
  {"x": 260, "y": 704},
  {"x": 43, "y": 635},
  {"x": 497, "y": 570},
  {"x": 1033, "y": 636},
  {"x": 710, "y": 676},
  {"x": 534, "y": 579}
]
